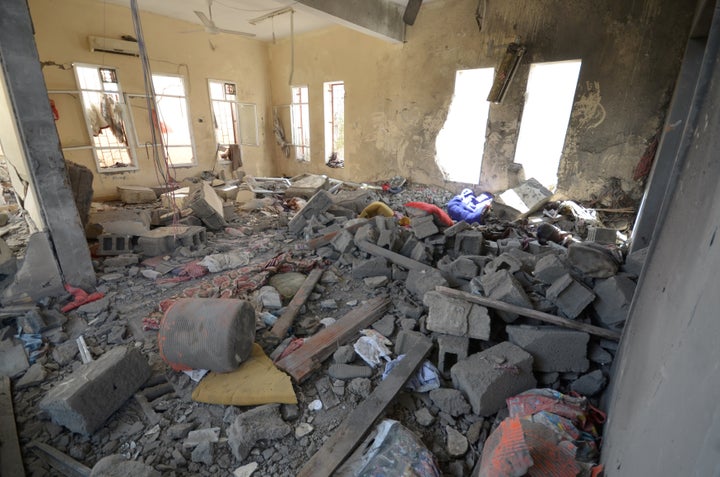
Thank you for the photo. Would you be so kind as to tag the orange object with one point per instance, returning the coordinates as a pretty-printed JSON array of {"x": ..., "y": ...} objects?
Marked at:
[{"x": 80, "y": 297}]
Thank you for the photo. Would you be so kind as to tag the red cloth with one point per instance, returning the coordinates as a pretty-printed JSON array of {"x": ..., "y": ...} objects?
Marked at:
[{"x": 439, "y": 214}]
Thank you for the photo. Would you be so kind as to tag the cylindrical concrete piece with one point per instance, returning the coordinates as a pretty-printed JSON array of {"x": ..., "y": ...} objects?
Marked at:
[{"x": 207, "y": 333}]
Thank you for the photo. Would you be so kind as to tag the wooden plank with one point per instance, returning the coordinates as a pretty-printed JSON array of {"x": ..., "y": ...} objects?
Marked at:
[
  {"x": 11, "y": 462},
  {"x": 538, "y": 315},
  {"x": 316, "y": 349},
  {"x": 285, "y": 321},
  {"x": 394, "y": 257},
  {"x": 352, "y": 430},
  {"x": 65, "y": 464}
]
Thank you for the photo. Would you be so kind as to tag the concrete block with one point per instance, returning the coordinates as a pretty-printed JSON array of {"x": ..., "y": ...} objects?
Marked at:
[
  {"x": 13, "y": 358},
  {"x": 450, "y": 401},
  {"x": 121, "y": 222},
  {"x": 589, "y": 384},
  {"x": 385, "y": 325},
  {"x": 175, "y": 199},
  {"x": 592, "y": 259},
  {"x": 38, "y": 275},
  {"x": 120, "y": 261},
  {"x": 613, "y": 298},
  {"x": 569, "y": 296},
  {"x": 387, "y": 239},
  {"x": 602, "y": 235},
  {"x": 136, "y": 194},
  {"x": 553, "y": 349},
  {"x": 504, "y": 261},
  {"x": 455, "y": 229},
  {"x": 366, "y": 233},
  {"x": 81, "y": 179},
  {"x": 451, "y": 349},
  {"x": 343, "y": 242},
  {"x": 527, "y": 197},
  {"x": 372, "y": 267},
  {"x": 164, "y": 240},
  {"x": 549, "y": 268},
  {"x": 423, "y": 227},
  {"x": 407, "y": 340},
  {"x": 317, "y": 204},
  {"x": 349, "y": 371},
  {"x": 469, "y": 242},
  {"x": 502, "y": 286},
  {"x": 462, "y": 268},
  {"x": 408, "y": 246},
  {"x": 207, "y": 205},
  {"x": 260, "y": 423},
  {"x": 419, "y": 253},
  {"x": 452, "y": 316},
  {"x": 91, "y": 394},
  {"x": 376, "y": 282},
  {"x": 8, "y": 263},
  {"x": 420, "y": 282},
  {"x": 635, "y": 262},
  {"x": 491, "y": 376},
  {"x": 114, "y": 244}
]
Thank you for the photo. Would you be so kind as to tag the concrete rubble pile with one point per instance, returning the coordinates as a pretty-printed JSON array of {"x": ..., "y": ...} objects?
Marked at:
[{"x": 91, "y": 381}]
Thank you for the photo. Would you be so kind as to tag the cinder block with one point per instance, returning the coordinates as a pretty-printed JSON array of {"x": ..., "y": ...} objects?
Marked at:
[
  {"x": 553, "y": 349},
  {"x": 343, "y": 242},
  {"x": 504, "y": 261},
  {"x": 549, "y": 268},
  {"x": 91, "y": 394},
  {"x": 601, "y": 235},
  {"x": 372, "y": 267},
  {"x": 136, "y": 194},
  {"x": 164, "y": 240},
  {"x": 207, "y": 206},
  {"x": 635, "y": 262},
  {"x": 113, "y": 244},
  {"x": 502, "y": 286},
  {"x": 613, "y": 298},
  {"x": 456, "y": 317},
  {"x": 419, "y": 253},
  {"x": 455, "y": 229},
  {"x": 423, "y": 226},
  {"x": 366, "y": 233},
  {"x": 387, "y": 239},
  {"x": 317, "y": 204},
  {"x": 569, "y": 296},
  {"x": 451, "y": 349},
  {"x": 469, "y": 242},
  {"x": 407, "y": 340},
  {"x": 460, "y": 269},
  {"x": 491, "y": 376},
  {"x": 420, "y": 282}
]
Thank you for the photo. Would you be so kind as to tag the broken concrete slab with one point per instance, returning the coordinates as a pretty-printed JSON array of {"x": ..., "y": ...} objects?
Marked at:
[
  {"x": 469, "y": 242},
  {"x": 38, "y": 275},
  {"x": 423, "y": 227},
  {"x": 373, "y": 267},
  {"x": 592, "y": 259},
  {"x": 527, "y": 197},
  {"x": 317, "y": 204},
  {"x": 136, "y": 194},
  {"x": 613, "y": 298},
  {"x": 553, "y": 349},
  {"x": 118, "y": 221},
  {"x": 207, "y": 205},
  {"x": 589, "y": 384},
  {"x": 306, "y": 185},
  {"x": 91, "y": 394},
  {"x": 489, "y": 377},
  {"x": 456, "y": 317},
  {"x": 349, "y": 371},
  {"x": 549, "y": 268},
  {"x": 8, "y": 264},
  {"x": 570, "y": 296},
  {"x": 13, "y": 358},
  {"x": 635, "y": 262},
  {"x": 451, "y": 349},
  {"x": 261, "y": 423}
]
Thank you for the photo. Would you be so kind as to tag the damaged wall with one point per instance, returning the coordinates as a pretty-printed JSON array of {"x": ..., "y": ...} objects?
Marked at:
[
  {"x": 397, "y": 96},
  {"x": 62, "y": 28}
]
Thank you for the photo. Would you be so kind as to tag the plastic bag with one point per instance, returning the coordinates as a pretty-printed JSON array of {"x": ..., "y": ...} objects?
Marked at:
[{"x": 373, "y": 347}]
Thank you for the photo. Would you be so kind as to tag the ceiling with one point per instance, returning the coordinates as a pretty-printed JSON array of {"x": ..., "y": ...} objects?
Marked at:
[{"x": 235, "y": 14}]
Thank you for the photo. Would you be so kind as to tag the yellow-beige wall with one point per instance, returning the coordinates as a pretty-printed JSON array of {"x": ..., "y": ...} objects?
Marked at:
[{"x": 61, "y": 31}]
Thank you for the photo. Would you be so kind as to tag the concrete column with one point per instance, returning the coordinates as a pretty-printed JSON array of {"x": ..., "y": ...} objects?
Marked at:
[
  {"x": 381, "y": 18},
  {"x": 38, "y": 137}
]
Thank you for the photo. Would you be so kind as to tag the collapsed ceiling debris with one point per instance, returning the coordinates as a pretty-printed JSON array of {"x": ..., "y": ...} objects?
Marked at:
[{"x": 363, "y": 301}]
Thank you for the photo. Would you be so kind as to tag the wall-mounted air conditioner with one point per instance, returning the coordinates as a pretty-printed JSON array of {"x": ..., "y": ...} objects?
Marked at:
[{"x": 111, "y": 45}]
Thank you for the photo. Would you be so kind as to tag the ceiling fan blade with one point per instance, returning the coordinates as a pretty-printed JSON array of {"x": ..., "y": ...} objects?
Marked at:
[
  {"x": 204, "y": 19},
  {"x": 234, "y": 32},
  {"x": 411, "y": 11}
]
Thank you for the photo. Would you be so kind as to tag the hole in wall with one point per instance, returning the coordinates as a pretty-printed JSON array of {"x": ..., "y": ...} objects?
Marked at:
[{"x": 548, "y": 103}]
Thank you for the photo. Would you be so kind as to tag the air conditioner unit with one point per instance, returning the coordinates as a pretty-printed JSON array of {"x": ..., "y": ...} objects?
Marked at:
[{"x": 111, "y": 45}]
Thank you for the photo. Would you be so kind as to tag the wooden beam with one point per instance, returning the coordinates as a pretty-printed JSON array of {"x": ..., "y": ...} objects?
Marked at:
[
  {"x": 394, "y": 257},
  {"x": 285, "y": 321},
  {"x": 11, "y": 462},
  {"x": 316, "y": 349},
  {"x": 352, "y": 430},
  {"x": 65, "y": 464},
  {"x": 538, "y": 315}
]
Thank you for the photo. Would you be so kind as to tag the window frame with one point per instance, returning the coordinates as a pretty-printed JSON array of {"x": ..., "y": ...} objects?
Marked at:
[
  {"x": 235, "y": 110},
  {"x": 130, "y": 133},
  {"x": 330, "y": 124},
  {"x": 302, "y": 149},
  {"x": 167, "y": 148}
]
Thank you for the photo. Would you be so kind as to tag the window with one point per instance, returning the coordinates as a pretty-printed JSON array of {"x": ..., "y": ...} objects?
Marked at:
[
  {"x": 106, "y": 117},
  {"x": 174, "y": 119},
  {"x": 461, "y": 141},
  {"x": 548, "y": 103},
  {"x": 335, "y": 123},
  {"x": 225, "y": 114},
  {"x": 300, "y": 119}
]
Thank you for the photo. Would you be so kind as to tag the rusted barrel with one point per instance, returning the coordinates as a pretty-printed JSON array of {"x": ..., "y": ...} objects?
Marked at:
[{"x": 207, "y": 333}]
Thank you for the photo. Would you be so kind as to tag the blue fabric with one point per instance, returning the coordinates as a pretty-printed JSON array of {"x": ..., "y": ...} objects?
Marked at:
[{"x": 469, "y": 207}]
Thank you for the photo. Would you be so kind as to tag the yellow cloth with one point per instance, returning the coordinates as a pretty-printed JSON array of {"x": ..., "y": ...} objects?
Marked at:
[
  {"x": 256, "y": 381},
  {"x": 376, "y": 208}
]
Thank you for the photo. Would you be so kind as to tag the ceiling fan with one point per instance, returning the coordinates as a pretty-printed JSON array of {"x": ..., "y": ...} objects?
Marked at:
[{"x": 213, "y": 29}]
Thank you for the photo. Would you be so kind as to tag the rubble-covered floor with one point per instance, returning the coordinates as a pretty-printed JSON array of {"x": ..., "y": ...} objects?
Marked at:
[{"x": 157, "y": 435}]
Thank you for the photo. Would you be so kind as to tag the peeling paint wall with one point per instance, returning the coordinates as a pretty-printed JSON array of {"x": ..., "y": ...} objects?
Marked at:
[
  {"x": 397, "y": 96},
  {"x": 62, "y": 28}
]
